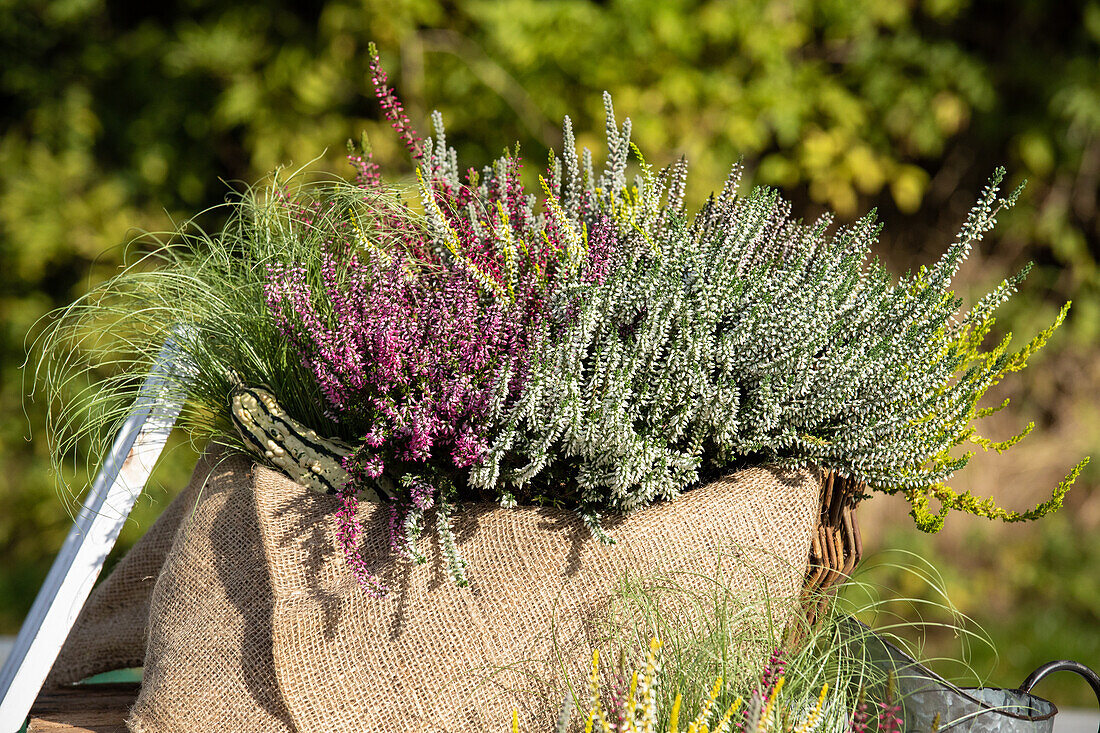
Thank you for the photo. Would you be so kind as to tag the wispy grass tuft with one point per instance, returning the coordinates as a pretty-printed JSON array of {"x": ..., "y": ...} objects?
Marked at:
[
  {"x": 716, "y": 634},
  {"x": 206, "y": 290}
]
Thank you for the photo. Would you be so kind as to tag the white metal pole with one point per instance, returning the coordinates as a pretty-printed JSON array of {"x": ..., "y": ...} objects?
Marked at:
[{"x": 80, "y": 560}]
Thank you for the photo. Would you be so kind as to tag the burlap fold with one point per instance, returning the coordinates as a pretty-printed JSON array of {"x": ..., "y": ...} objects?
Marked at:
[{"x": 208, "y": 666}]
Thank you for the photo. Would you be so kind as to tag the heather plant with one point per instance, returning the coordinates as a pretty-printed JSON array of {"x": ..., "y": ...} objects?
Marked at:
[
  {"x": 738, "y": 335},
  {"x": 593, "y": 345},
  {"x": 676, "y": 346},
  {"x": 742, "y": 335}
]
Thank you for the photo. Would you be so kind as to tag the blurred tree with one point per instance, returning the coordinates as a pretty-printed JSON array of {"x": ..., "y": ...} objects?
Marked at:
[{"x": 117, "y": 118}]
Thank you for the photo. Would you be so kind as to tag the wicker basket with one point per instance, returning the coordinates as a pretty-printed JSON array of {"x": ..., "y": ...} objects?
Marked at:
[{"x": 837, "y": 545}]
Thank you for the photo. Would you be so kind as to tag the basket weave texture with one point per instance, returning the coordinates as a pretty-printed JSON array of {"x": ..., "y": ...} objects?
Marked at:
[{"x": 837, "y": 545}]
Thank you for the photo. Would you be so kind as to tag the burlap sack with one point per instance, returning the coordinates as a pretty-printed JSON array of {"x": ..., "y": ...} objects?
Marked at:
[
  {"x": 110, "y": 631},
  {"x": 257, "y": 624},
  {"x": 208, "y": 664},
  {"x": 437, "y": 657}
]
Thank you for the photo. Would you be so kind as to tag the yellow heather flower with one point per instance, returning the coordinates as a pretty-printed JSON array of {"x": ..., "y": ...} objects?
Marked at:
[
  {"x": 674, "y": 719},
  {"x": 704, "y": 714},
  {"x": 729, "y": 714}
]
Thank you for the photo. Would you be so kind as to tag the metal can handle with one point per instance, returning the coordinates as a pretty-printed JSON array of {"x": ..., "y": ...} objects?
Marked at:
[{"x": 1063, "y": 665}]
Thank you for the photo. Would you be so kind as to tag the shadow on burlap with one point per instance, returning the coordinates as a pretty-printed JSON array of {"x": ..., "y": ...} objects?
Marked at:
[
  {"x": 433, "y": 656},
  {"x": 208, "y": 664},
  {"x": 256, "y": 623}
]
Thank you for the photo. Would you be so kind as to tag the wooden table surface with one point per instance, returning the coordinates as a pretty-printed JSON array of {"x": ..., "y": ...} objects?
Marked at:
[{"x": 100, "y": 708}]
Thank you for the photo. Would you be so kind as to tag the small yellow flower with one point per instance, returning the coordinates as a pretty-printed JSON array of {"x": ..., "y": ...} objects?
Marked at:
[
  {"x": 674, "y": 719},
  {"x": 704, "y": 714},
  {"x": 729, "y": 714}
]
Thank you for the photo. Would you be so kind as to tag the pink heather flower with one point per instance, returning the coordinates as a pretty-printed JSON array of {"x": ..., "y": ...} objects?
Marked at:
[
  {"x": 412, "y": 362},
  {"x": 890, "y": 718},
  {"x": 858, "y": 723},
  {"x": 773, "y": 670},
  {"x": 374, "y": 439},
  {"x": 421, "y": 495},
  {"x": 367, "y": 173},
  {"x": 468, "y": 450},
  {"x": 602, "y": 243},
  {"x": 393, "y": 108},
  {"x": 617, "y": 699},
  {"x": 769, "y": 678},
  {"x": 373, "y": 466},
  {"x": 348, "y": 531}
]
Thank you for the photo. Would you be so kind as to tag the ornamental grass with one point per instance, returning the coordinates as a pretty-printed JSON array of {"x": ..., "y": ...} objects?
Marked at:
[{"x": 661, "y": 669}]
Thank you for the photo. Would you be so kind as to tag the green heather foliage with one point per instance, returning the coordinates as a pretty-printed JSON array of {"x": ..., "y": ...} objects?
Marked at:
[{"x": 741, "y": 335}]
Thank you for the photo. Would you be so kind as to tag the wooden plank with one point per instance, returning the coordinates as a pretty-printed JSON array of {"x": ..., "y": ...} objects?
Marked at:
[
  {"x": 119, "y": 482},
  {"x": 100, "y": 708}
]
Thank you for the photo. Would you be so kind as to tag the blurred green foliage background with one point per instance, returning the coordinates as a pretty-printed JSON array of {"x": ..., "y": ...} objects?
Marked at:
[{"x": 123, "y": 117}]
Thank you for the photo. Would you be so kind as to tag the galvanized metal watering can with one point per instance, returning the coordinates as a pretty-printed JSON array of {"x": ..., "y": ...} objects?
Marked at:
[{"x": 930, "y": 703}]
